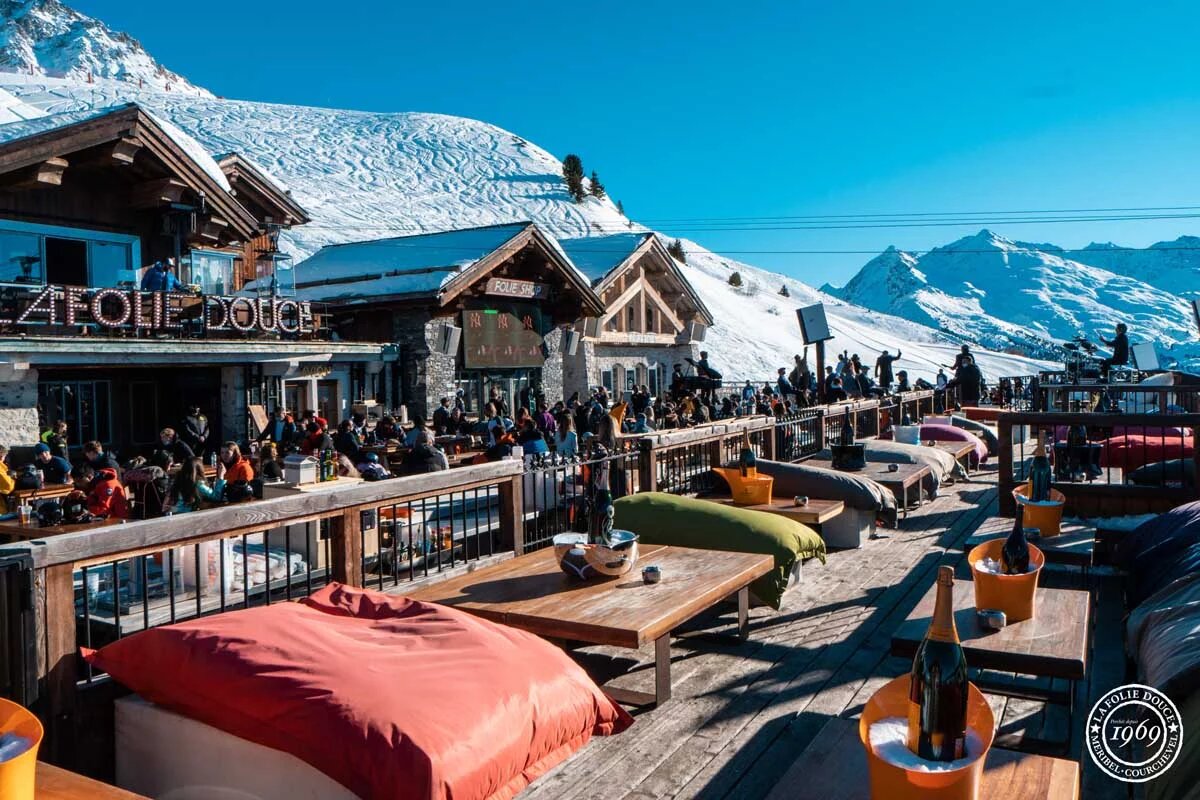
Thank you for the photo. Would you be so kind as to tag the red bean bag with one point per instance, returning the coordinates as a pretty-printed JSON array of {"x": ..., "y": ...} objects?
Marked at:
[
  {"x": 390, "y": 697},
  {"x": 948, "y": 433},
  {"x": 1060, "y": 431},
  {"x": 1132, "y": 452}
]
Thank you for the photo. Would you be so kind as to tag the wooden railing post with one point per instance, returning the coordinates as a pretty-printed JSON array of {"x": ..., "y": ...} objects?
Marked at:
[
  {"x": 1004, "y": 432},
  {"x": 512, "y": 520},
  {"x": 647, "y": 465},
  {"x": 768, "y": 444},
  {"x": 346, "y": 551},
  {"x": 55, "y": 591}
]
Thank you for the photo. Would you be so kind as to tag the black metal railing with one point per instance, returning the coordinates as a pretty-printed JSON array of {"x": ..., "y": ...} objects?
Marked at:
[
  {"x": 557, "y": 490},
  {"x": 799, "y": 435},
  {"x": 120, "y": 597}
]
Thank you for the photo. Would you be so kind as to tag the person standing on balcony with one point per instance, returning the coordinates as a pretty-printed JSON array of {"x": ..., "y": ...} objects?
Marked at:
[
  {"x": 883, "y": 369},
  {"x": 280, "y": 429},
  {"x": 441, "y": 417},
  {"x": 783, "y": 385},
  {"x": 159, "y": 278}
]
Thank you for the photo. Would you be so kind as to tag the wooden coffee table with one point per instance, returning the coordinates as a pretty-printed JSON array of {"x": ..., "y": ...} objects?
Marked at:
[
  {"x": 962, "y": 452},
  {"x": 834, "y": 767},
  {"x": 899, "y": 483},
  {"x": 816, "y": 512},
  {"x": 530, "y": 592},
  {"x": 1053, "y": 644},
  {"x": 53, "y": 783}
]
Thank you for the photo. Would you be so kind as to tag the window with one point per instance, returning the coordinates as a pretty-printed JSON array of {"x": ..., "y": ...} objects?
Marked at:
[
  {"x": 606, "y": 379},
  {"x": 650, "y": 328},
  {"x": 84, "y": 405},
  {"x": 33, "y": 254},
  {"x": 111, "y": 264},
  {"x": 211, "y": 271},
  {"x": 655, "y": 379},
  {"x": 20, "y": 257},
  {"x": 640, "y": 373},
  {"x": 631, "y": 315},
  {"x": 618, "y": 378}
]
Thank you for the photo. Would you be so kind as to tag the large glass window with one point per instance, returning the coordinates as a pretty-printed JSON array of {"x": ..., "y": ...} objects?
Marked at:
[
  {"x": 20, "y": 257},
  {"x": 84, "y": 405},
  {"x": 33, "y": 255},
  {"x": 111, "y": 264},
  {"x": 212, "y": 272}
]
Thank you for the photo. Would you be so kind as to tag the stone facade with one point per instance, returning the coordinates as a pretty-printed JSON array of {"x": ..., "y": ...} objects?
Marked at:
[
  {"x": 18, "y": 409},
  {"x": 426, "y": 375},
  {"x": 584, "y": 371}
]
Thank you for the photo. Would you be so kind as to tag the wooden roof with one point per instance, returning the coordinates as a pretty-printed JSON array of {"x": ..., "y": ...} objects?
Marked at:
[
  {"x": 251, "y": 184},
  {"x": 122, "y": 137}
]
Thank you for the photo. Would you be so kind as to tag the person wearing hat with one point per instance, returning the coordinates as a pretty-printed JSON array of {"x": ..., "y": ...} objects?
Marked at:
[
  {"x": 159, "y": 278},
  {"x": 902, "y": 378},
  {"x": 55, "y": 470},
  {"x": 371, "y": 469},
  {"x": 783, "y": 385}
]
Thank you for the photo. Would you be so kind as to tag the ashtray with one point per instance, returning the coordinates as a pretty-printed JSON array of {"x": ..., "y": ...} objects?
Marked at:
[
  {"x": 991, "y": 619},
  {"x": 893, "y": 467},
  {"x": 651, "y": 574},
  {"x": 800, "y": 500}
]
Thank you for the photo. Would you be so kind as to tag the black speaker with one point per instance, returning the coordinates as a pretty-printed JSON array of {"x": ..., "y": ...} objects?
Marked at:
[
  {"x": 813, "y": 325},
  {"x": 570, "y": 342},
  {"x": 18, "y": 650},
  {"x": 591, "y": 327},
  {"x": 447, "y": 340},
  {"x": 696, "y": 331}
]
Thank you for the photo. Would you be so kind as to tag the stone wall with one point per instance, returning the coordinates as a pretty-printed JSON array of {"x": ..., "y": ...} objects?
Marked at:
[
  {"x": 18, "y": 410},
  {"x": 426, "y": 375},
  {"x": 585, "y": 369}
]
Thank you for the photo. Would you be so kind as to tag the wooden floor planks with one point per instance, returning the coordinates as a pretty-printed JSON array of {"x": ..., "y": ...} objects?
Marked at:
[{"x": 742, "y": 713}]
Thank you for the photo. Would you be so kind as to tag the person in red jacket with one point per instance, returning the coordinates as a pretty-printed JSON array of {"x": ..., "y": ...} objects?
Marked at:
[
  {"x": 232, "y": 466},
  {"x": 106, "y": 498}
]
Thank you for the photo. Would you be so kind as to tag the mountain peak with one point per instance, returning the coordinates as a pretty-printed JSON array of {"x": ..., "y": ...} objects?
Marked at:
[{"x": 46, "y": 37}]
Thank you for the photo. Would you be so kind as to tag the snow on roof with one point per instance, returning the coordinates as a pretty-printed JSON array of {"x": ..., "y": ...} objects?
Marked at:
[
  {"x": 268, "y": 176},
  {"x": 23, "y": 128},
  {"x": 193, "y": 148},
  {"x": 13, "y": 109},
  {"x": 419, "y": 264},
  {"x": 596, "y": 256}
]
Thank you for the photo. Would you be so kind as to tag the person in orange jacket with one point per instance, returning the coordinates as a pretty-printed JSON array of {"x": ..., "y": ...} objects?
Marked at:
[
  {"x": 232, "y": 466},
  {"x": 106, "y": 498}
]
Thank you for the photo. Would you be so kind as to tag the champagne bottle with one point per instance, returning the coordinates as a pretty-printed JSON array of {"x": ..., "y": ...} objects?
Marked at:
[
  {"x": 747, "y": 460},
  {"x": 1039, "y": 474},
  {"x": 1014, "y": 555},
  {"x": 600, "y": 516},
  {"x": 937, "y": 709},
  {"x": 847, "y": 429}
]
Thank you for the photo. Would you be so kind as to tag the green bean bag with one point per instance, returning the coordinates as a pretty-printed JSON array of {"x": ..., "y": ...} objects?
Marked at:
[{"x": 659, "y": 518}]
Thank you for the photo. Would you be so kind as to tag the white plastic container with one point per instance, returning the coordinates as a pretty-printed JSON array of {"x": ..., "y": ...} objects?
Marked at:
[{"x": 298, "y": 469}]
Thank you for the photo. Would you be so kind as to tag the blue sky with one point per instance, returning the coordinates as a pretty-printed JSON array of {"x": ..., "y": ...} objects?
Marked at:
[{"x": 719, "y": 110}]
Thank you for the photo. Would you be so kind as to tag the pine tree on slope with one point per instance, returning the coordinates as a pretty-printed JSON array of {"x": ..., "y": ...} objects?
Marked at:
[{"x": 573, "y": 175}]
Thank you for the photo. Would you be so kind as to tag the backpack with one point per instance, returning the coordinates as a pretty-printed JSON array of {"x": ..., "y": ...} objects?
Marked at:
[
  {"x": 149, "y": 488},
  {"x": 30, "y": 477}
]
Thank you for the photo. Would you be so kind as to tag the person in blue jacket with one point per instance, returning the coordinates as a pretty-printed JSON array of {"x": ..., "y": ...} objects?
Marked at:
[{"x": 159, "y": 278}]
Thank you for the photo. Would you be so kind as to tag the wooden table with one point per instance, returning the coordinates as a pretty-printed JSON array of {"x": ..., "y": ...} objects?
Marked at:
[
  {"x": 1054, "y": 644},
  {"x": 53, "y": 783},
  {"x": 899, "y": 483},
  {"x": 530, "y": 592},
  {"x": 834, "y": 767},
  {"x": 15, "y": 530},
  {"x": 1074, "y": 546},
  {"x": 55, "y": 492},
  {"x": 962, "y": 452},
  {"x": 815, "y": 513}
]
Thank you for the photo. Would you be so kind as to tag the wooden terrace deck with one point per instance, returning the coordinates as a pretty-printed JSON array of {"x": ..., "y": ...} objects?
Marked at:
[{"x": 742, "y": 714}]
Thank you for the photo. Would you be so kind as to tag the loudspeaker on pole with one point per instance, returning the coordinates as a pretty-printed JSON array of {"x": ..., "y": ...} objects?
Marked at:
[
  {"x": 570, "y": 342},
  {"x": 447, "y": 341}
]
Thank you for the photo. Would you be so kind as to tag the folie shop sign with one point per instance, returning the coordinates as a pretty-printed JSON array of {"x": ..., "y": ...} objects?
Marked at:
[{"x": 77, "y": 306}]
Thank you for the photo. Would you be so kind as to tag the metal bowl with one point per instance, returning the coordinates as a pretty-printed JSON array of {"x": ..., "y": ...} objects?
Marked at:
[{"x": 584, "y": 561}]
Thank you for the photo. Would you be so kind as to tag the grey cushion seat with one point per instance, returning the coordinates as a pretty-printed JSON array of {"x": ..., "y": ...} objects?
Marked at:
[{"x": 856, "y": 491}]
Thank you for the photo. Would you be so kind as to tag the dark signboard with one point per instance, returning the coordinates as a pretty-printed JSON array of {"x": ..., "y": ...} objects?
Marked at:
[{"x": 494, "y": 337}]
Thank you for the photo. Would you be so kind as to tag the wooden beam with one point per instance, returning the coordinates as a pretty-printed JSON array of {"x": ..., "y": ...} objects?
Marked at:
[
  {"x": 213, "y": 229},
  {"x": 39, "y": 176},
  {"x": 157, "y": 193},
  {"x": 124, "y": 150}
]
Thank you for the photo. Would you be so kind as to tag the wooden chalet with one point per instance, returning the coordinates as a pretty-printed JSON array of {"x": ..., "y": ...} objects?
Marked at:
[
  {"x": 653, "y": 318},
  {"x": 472, "y": 309},
  {"x": 88, "y": 201}
]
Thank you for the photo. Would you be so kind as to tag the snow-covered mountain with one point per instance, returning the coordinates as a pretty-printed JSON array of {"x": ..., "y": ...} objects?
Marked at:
[
  {"x": 1026, "y": 297},
  {"x": 45, "y": 37},
  {"x": 369, "y": 175},
  {"x": 1173, "y": 266}
]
